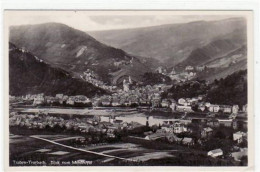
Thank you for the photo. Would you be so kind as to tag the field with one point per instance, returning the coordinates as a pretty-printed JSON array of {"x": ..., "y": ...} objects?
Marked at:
[
  {"x": 25, "y": 148},
  {"x": 30, "y": 148},
  {"x": 55, "y": 149},
  {"x": 50, "y": 147}
]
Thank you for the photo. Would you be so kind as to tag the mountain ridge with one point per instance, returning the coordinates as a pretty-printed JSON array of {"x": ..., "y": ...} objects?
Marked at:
[
  {"x": 173, "y": 43},
  {"x": 28, "y": 74},
  {"x": 72, "y": 50}
]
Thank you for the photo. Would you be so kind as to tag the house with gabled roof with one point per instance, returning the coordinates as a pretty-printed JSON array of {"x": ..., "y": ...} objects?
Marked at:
[
  {"x": 215, "y": 153},
  {"x": 239, "y": 136},
  {"x": 187, "y": 141},
  {"x": 206, "y": 132}
]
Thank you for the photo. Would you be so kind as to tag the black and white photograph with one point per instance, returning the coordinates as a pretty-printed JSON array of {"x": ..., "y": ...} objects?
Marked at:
[{"x": 128, "y": 88}]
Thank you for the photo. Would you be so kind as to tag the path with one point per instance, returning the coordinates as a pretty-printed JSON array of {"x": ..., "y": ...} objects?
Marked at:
[{"x": 82, "y": 150}]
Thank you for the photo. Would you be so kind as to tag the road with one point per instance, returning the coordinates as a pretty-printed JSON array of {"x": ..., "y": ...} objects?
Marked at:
[{"x": 82, "y": 150}]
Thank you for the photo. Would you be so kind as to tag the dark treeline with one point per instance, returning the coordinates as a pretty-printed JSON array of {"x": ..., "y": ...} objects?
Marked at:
[
  {"x": 150, "y": 78},
  {"x": 229, "y": 91},
  {"x": 186, "y": 90}
]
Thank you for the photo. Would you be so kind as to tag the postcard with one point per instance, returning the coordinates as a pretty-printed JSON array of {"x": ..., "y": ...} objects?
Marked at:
[{"x": 128, "y": 89}]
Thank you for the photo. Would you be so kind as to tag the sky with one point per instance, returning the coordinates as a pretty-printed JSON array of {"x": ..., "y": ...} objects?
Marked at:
[{"x": 95, "y": 21}]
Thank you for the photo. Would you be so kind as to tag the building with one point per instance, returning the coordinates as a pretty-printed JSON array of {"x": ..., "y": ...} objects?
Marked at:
[
  {"x": 125, "y": 86},
  {"x": 225, "y": 122},
  {"x": 144, "y": 101},
  {"x": 188, "y": 68},
  {"x": 181, "y": 101},
  {"x": 160, "y": 69},
  {"x": 226, "y": 108},
  {"x": 179, "y": 127},
  {"x": 70, "y": 100},
  {"x": 165, "y": 103},
  {"x": 214, "y": 108},
  {"x": 132, "y": 125},
  {"x": 200, "y": 68},
  {"x": 187, "y": 141},
  {"x": 167, "y": 128},
  {"x": 183, "y": 108},
  {"x": 133, "y": 100},
  {"x": 173, "y": 138},
  {"x": 105, "y": 102},
  {"x": 213, "y": 123},
  {"x": 200, "y": 97},
  {"x": 104, "y": 118},
  {"x": 238, "y": 136},
  {"x": 173, "y": 106},
  {"x": 202, "y": 107},
  {"x": 206, "y": 132},
  {"x": 115, "y": 102},
  {"x": 215, "y": 153},
  {"x": 235, "y": 109},
  {"x": 235, "y": 124},
  {"x": 238, "y": 155},
  {"x": 173, "y": 72},
  {"x": 81, "y": 99},
  {"x": 59, "y": 96},
  {"x": 244, "y": 109},
  {"x": 156, "y": 101},
  {"x": 38, "y": 100},
  {"x": 155, "y": 136},
  {"x": 207, "y": 104}
]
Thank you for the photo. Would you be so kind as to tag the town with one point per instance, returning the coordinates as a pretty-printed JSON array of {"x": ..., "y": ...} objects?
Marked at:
[{"x": 220, "y": 131}]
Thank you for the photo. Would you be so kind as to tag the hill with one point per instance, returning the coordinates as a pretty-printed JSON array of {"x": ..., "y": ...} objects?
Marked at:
[
  {"x": 225, "y": 65},
  {"x": 74, "y": 50},
  {"x": 174, "y": 43},
  {"x": 28, "y": 74},
  {"x": 210, "y": 51},
  {"x": 230, "y": 90}
]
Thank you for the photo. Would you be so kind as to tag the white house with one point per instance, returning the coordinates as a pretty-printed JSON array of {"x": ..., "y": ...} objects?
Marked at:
[
  {"x": 238, "y": 155},
  {"x": 165, "y": 103},
  {"x": 173, "y": 106},
  {"x": 215, "y": 153},
  {"x": 187, "y": 141},
  {"x": 245, "y": 108},
  {"x": 189, "y": 68},
  {"x": 59, "y": 96},
  {"x": 202, "y": 107},
  {"x": 38, "y": 100},
  {"x": 179, "y": 128},
  {"x": 207, "y": 104},
  {"x": 214, "y": 108},
  {"x": 235, "y": 109},
  {"x": 81, "y": 99},
  {"x": 104, "y": 119},
  {"x": 226, "y": 108},
  {"x": 184, "y": 108},
  {"x": 70, "y": 101},
  {"x": 167, "y": 128},
  {"x": 238, "y": 136},
  {"x": 181, "y": 101}
]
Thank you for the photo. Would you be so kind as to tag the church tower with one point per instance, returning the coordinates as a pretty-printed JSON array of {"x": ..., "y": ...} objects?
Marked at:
[{"x": 125, "y": 86}]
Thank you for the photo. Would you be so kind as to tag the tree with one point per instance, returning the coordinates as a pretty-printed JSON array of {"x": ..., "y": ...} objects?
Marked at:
[
  {"x": 154, "y": 128},
  {"x": 195, "y": 107},
  {"x": 244, "y": 161}
]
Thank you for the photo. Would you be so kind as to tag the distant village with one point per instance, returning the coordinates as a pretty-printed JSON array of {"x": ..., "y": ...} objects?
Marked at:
[
  {"x": 195, "y": 127},
  {"x": 143, "y": 97},
  {"x": 189, "y": 73}
]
